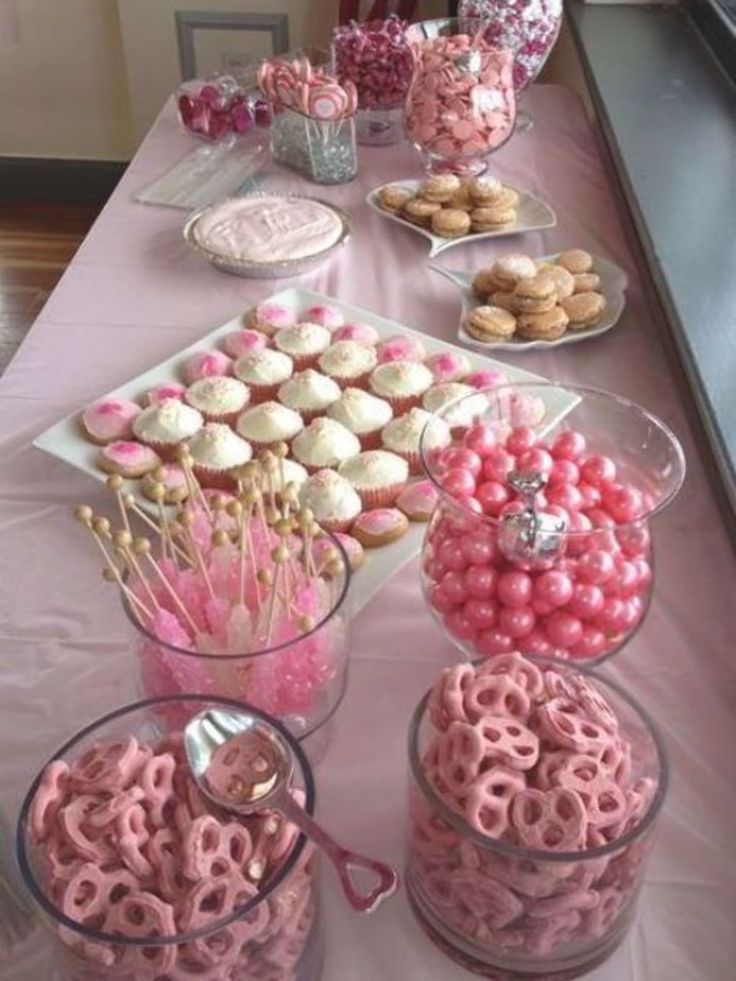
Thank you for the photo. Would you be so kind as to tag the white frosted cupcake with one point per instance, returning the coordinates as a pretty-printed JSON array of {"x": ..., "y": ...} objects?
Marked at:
[
  {"x": 167, "y": 424},
  {"x": 219, "y": 399},
  {"x": 462, "y": 415},
  {"x": 303, "y": 343},
  {"x": 349, "y": 363},
  {"x": 309, "y": 393},
  {"x": 401, "y": 383},
  {"x": 331, "y": 499},
  {"x": 289, "y": 472},
  {"x": 269, "y": 423},
  {"x": 324, "y": 443},
  {"x": 377, "y": 475},
  {"x": 263, "y": 372},
  {"x": 269, "y": 318},
  {"x": 363, "y": 414},
  {"x": 402, "y": 436},
  {"x": 216, "y": 451}
]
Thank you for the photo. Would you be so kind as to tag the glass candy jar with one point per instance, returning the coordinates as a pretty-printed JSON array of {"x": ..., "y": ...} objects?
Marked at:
[
  {"x": 540, "y": 540},
  {"x": 323, "y": 150},
  {"x": 214, "y": 107},
  {"x": 461, "y": 104},
  {"x": 376, "y": 57},
  {"x": 124, "y": 889},
  {"x": 544, "y": 908}
]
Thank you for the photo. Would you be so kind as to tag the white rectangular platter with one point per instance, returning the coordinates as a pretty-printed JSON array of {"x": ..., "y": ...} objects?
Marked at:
[{"x": 65, "y": 441}]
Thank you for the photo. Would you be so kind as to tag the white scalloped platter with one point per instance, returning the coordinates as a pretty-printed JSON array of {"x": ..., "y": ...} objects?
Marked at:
[
  {"x": 65, "y": 440},
  {"x": 532, "y": 215},
  {"x": 613, "y": 286}
]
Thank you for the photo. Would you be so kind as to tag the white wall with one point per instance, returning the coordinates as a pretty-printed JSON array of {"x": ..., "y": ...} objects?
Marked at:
[{"x": 63, "y": 90}]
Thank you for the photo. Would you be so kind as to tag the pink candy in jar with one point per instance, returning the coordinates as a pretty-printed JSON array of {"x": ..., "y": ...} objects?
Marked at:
[
  {"x": 533, "y": 795},
  {"x": 461, "y": 104},
  {"x": 214, "y": 107},
  {"x": 376, "y": 57},
  {"x": 551, "y": 535},
  {"x": 115, "y": 837}
]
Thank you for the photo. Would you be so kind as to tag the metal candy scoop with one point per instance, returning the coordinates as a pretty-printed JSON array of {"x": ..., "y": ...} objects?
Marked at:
[
  {"x": 531, "y": 538},
  {"x": 244, "y": 765}
]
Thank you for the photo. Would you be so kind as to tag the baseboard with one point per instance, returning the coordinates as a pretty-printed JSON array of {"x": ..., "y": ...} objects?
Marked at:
[{"x": 73, "y": 181}]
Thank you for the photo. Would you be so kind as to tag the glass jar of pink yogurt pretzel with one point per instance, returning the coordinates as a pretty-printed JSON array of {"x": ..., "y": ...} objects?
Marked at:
[
  {"x": 461, "y": 104},
  {"x": 140, "y": 880},
  {"x": 535, "y": 791},
  {"x": 540, "y": 540}
]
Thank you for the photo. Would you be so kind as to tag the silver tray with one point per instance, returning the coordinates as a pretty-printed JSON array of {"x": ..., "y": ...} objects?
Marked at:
[{"x": 266, "y": 270}]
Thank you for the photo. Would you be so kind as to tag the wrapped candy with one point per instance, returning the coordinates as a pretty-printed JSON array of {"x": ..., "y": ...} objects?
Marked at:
[
  {"x": 377, "y": 58},
  {"x": 215, "y": 107}
]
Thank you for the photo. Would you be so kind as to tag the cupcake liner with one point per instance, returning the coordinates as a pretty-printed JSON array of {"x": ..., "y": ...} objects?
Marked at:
[
  {"x": 412, "y": 457},
  {"x": 229, "y": 418},
  {"x": 337, "y": 526},
  {"x": 169, "y": 452},
  {"x": 380, "y": 497},
  {"x": 263, "y": 393},
  {"x": 257, "y": 445},
  {"x": 356, "y": 381},
  {"x": 216, "y": 479},
  {"x": 372, "y": 440},
  {"x": 309, "y": 415},
  {"x": 304, "y": 361},
  {"x": 401, "y": 405}
]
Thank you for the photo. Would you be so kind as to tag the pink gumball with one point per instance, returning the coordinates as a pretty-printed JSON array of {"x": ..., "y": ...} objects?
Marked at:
[
  {"x": 630, "y": 615},
  {"x": 536, "y": 460},
  {"x": 600, "y": 518},
  {"x": 559, "y": 512},
  {"x": 586, "y": 601},
  {"x": 478, "y": 548},
  {"x": 596, "y": 566},
  {"x": 514, "y": 588},
  {"x": 513, "y": 507},
  {"x": 481, "y": 613},
  {"x": 494, "y": 641},
  {"x": 536, "y": 642},
  {"x": 634, "y": 541},
  {"x": 473, "y": 504},
  {"x": 623, "y": 503},
  {"x": 566, "y": 495},
  {"x": 568, "y": 445},
  {"x": 577, "y": 540},
  {"x": 460, "y": 626},
  {"x": 451, "y": 555},
  {"x": 492, "y": 495},
  {"x": 453, "y": 584},
  {"x": 553, "y": 588},
  {"x": 612, "y": 616},
  {"x": 440, "y": 600},
  {"x": 434, "y": 569},
  {"x": 564, "y": 472},
  {"x": 563, "y": 629},
  {"x": 592, "y": 643},
  {"x": 598, "y": 470},
  {"x": 542, "y": 608},
  {"x": 460, "y": 456},
  {"x": 458, "y": 482},
  {"x": 643, "y": 571},
  {"x": 480, "y": 438},
  {"x": 521, "y": 439},
  {"x": 591, "y": 495},
  {"x": 516, "y": 621},
  {"x": 480, "y": 581},
  {"x": 498, "y": 464}
]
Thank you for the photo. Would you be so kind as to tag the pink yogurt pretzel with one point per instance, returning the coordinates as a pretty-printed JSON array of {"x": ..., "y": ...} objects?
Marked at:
[
  {"x": 460, "y": 754},
  {"x": 132, "y": 834},
  {"x": 509, "y": 742},
  {"x": 52, "y": 794},
  {"x": 446, "y": 703},
  {"x": 486, "y": 899},
  {"x": 142, "y": 915},
  {"x": 604, "y": 801},
  {"x": 106, "y": 767},
  {"x": 496, "y": 694},
  {"x": 526, "y": 674},
  {"x": 488, "y": 798},
  {"x": 562, "y": 722},
  {"x": 157, "y": 782},
  {"x": 90, "y": 893},
  {"x": 554, "y": 820},
  {"x": 86, "y": 840}
]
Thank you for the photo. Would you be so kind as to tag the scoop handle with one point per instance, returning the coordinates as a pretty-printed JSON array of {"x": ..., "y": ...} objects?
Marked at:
[{"x": 344, "y": 861}]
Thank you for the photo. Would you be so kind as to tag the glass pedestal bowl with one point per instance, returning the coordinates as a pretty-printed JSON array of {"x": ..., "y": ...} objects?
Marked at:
[
  {"x": 540, "y": 541},
  {"x": 461, "y": 104}
]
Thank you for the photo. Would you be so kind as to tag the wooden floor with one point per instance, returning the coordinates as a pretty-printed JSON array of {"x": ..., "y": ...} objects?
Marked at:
[{"x": 37, "y": 241}]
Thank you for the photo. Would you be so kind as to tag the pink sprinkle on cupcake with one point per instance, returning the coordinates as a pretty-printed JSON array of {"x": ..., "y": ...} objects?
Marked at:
[
  {"x": 206, "y": 364},
  {"x": 109, "y": 419}
]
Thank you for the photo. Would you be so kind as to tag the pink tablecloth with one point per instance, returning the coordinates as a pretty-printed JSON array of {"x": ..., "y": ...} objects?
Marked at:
[{"x": 134, "y": 295}]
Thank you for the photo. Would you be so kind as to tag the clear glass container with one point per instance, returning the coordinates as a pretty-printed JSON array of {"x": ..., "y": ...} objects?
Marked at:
[
  {"x": 461, "y": 104},
  {"x": 540, "y": 541},
  {"x": 323, "y": 150},
  {"x": 508, "y": 912},
  {"x": 214, "y": 107},
  {"x": 300, "y": 682},
  {"x": 275, "y": 934}
]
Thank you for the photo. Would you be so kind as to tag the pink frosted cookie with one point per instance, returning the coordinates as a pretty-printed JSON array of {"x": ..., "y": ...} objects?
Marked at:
[
  {"x": 270, "y": 317},
  {"x": 353, "y": 549},
  {"x": 128, "y": 458},
  {"x": 401, "y": 347},
  {"x": 241, "y": 342},
  {"x": 206, "y": 364},
  {"x": 168, "y": 390},
  {"x": 323, "y": 314},
  {"x": 449, "y": 366},
  {"x": 109, "y": 419},
  {"x": 171, "y": 477},
  {"x": 380, "y": 527},
  {"x": 486, "y": 378},
  {"x": 418, "y": 500},
  {"x": 360, "y": 333}
]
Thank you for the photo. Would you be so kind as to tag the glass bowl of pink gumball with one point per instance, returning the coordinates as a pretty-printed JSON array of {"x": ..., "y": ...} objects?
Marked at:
[
  {"x": 461, "y": 104},
  {"x": 138, "y": 876},
  {"x": 535, "y": 790},
  {"x": 540, "y": 540}
]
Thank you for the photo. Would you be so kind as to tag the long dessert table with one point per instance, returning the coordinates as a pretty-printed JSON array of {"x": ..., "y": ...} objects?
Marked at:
[{"x": 134, "y": 295}]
